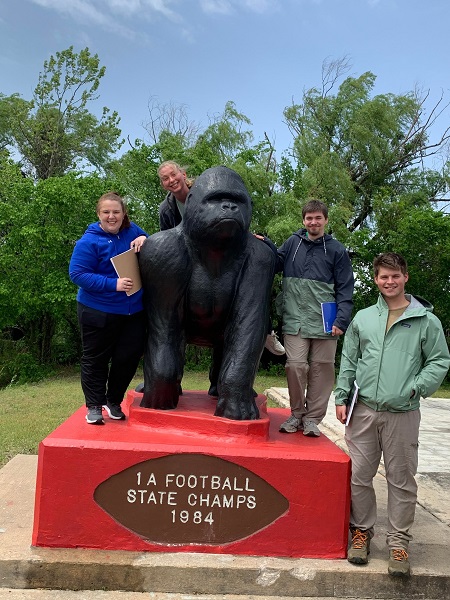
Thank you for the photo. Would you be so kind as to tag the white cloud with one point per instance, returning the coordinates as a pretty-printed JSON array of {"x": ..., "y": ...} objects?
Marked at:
[
  {"x": 106, "y": 12},
  {"x": 226, "y": 7},
  {"x": 143, "y": 7},
  {"x": 85, "y": 12},
  {"x": 125, "y": 17},
  {"x": 222, "y": 7},
  {"x": 259, "y": 5}
]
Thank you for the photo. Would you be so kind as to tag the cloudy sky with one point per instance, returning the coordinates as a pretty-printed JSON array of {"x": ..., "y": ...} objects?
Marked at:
[{"x": 261, "y": 54}]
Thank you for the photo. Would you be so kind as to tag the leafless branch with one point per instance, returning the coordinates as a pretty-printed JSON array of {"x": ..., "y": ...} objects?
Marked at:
[
  {"x": 169, "y": 117},
  {"x": 271, "y": 163},
  {"x": 332, "y": 70}
]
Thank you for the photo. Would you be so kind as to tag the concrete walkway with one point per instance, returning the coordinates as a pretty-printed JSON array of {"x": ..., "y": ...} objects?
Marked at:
[
  {"x": 433, "y": 474},
  {"x": 24, "y": 570}
]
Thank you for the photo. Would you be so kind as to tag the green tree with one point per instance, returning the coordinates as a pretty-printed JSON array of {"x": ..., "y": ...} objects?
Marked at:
[
  {"x": 227, "y": 141},
  {"x": 54, "y": 132},
  {"x": 39, "y": 224},
  {"x": 136, "y": 173},
  {"x": 422, "y": 235},
  {"x": 350, "y": 146},
  {"x": 368, "y": 156}
]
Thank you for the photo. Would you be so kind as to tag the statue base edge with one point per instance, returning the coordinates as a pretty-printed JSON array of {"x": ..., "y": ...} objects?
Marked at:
[{"x": 77, "y": 459}]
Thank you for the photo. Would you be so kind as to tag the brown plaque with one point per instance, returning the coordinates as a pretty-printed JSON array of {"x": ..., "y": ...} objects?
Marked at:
[{"x": 190, "y": 499}]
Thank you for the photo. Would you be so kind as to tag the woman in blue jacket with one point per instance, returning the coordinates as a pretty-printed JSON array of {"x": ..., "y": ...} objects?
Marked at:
[{"x": 112, "y": 323}]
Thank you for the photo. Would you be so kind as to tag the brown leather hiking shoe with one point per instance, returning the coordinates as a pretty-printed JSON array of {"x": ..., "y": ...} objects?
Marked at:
[
  {"x": 398, "y": 563},
  {"x": 360, "y": 547}
]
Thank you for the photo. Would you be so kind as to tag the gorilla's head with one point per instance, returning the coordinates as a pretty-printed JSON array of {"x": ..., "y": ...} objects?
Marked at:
[{"x": 218, "y": 208}]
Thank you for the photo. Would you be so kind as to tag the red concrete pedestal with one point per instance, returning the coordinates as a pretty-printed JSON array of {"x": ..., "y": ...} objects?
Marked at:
[{"x": 186, "y": 481}]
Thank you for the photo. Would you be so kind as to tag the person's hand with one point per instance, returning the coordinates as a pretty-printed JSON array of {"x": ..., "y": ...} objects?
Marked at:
[
  {"x": 137, "y": 243},
  {"x": 124, "y": 284},
  {"x": 260, "y": 237},
  {"x": 341, "y": 413},
  {"x": 336, "y": 331}
]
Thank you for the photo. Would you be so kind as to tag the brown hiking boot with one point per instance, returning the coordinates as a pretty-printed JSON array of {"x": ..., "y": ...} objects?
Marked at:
[
  {"x": 360, "y": 548},
  {"x": 398, "y": 563}
]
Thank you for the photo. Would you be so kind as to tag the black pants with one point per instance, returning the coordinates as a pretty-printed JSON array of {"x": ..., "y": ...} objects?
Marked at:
[{"x": 112, "y": 347}]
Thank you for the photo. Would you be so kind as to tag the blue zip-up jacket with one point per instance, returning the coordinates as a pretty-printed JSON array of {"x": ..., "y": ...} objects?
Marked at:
[{"x": 92, "y": 270}]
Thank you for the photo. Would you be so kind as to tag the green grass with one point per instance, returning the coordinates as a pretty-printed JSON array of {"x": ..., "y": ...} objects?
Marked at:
[
  {"x": 443, "y": 391},
  {"x": 30, "y": 412}
]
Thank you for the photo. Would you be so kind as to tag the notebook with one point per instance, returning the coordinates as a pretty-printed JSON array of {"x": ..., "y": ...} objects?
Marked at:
[{"x": 126, "y": 265}]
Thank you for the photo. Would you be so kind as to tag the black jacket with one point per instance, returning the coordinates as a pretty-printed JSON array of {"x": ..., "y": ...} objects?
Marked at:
[{"x": 169, "y": 215}]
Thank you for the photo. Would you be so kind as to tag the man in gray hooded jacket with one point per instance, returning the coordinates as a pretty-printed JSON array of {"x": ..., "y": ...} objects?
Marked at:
[{"x": 316, "y": 269}]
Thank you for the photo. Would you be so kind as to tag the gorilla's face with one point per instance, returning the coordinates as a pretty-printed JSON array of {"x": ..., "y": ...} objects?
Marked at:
[
  {"x": 225, "y": 214},
  {"x": 218, "y": 207}
]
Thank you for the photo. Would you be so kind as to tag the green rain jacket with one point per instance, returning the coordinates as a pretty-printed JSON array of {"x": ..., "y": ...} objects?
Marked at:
[
  {"x": 314, "y": 271},
  {"x": 388, "y": 367}
]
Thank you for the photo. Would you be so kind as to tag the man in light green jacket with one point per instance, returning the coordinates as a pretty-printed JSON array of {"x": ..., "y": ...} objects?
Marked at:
[{"x": 396, "y": 352}]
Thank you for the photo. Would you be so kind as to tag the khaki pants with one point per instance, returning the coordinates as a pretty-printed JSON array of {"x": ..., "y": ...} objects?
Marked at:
[
  {"x": 396, "y": 435},
  {"x": 310, "y": 375}
]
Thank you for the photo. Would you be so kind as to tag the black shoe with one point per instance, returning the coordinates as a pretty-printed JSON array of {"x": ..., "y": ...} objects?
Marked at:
[
  {"x": 94, "y": 416},
  {"x": 114, "y": 411}
]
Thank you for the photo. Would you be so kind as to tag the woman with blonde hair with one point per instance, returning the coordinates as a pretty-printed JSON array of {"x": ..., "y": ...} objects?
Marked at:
[{"x": 174, "y": 180}]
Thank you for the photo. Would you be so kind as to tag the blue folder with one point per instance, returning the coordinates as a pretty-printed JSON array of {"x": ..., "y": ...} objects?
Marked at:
[{"x": 329, "y": 311}]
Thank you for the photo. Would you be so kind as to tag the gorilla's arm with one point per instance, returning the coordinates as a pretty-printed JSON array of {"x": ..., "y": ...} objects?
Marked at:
[
  {"x": 165, "y": 269},
  {"x": 245, "y": 334}
]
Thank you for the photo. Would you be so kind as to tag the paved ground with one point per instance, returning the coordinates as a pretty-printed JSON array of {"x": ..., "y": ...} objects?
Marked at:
[
  {"x": 102, "y": 575},
  {"x": 434, "y": 449},
  {"x": 10, "y": 594}
]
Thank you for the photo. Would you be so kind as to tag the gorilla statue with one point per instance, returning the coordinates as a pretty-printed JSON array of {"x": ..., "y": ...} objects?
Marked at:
[{"x": 207, "y": 282}]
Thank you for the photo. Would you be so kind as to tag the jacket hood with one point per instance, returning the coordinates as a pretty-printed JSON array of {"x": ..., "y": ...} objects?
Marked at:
[
  {"x": 302, "y": 235},
  {"x": 416, "y": 302},
  {"x": 419, "y": 302},
  {"x": 95, "y": 229}
]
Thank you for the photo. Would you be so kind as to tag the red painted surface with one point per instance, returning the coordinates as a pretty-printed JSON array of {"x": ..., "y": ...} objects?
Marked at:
[
  {"x": 311, "y": 473},
  {"x": 195, "y": 416}
]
